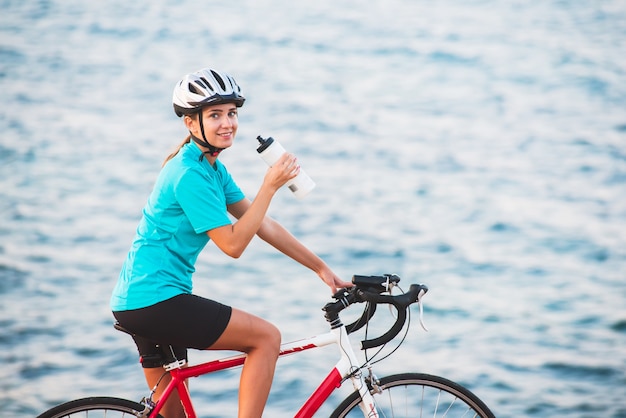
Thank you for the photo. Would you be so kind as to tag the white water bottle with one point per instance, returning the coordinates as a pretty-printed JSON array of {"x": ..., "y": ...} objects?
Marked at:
[{"x": 271, "y": 150}]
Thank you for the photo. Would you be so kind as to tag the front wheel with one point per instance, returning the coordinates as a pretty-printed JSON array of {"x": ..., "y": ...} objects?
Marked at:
[
  {"x": 418, "y": 395},
  {"x": 95, "y": 407}
]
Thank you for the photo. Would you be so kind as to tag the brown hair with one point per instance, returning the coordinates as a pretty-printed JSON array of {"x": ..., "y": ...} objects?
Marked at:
[{"x": 182, "y": 144}]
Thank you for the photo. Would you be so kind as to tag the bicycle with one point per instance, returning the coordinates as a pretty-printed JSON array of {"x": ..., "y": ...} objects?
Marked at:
[{"x": 400, "y": 395}]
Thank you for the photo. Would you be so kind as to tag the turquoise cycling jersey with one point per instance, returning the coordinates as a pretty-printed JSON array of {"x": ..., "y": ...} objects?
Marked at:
[{"x": 190, "y": 197}]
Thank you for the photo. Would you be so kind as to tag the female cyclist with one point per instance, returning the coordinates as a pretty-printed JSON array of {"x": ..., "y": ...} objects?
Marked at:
[{"x": 189, "y": 205}]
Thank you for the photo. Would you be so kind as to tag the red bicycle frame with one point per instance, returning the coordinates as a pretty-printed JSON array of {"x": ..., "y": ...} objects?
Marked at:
[{"x": 332, "y": 381}]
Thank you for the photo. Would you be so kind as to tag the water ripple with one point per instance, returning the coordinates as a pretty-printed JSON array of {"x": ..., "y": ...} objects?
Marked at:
[{"x": 478, "y": 147}]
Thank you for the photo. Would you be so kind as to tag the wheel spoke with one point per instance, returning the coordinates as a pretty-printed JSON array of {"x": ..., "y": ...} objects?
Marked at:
[
  {"x": 98, "y": 407},
  {"x": 419, "y": 395}
]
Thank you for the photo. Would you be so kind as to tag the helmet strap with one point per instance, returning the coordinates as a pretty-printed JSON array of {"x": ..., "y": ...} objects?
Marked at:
[{"x": 213, "y": 150}]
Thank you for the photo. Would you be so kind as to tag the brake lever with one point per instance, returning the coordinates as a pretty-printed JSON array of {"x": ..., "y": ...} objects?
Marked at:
[{"x": 421, "y": 309}]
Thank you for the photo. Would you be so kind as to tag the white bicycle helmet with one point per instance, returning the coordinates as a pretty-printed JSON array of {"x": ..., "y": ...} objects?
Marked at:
[{"x": 203, "y": 88}]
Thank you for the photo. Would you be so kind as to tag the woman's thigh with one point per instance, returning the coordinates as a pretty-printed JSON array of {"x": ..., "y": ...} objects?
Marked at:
[{"x": 246, "y": 332}]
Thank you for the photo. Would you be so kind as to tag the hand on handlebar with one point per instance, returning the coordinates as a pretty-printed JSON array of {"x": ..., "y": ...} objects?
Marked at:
[{"x": 332, "y": 280}]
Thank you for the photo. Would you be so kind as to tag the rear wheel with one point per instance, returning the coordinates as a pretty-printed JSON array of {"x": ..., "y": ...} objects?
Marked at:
[
  {"x": 96, "y": 407},
  {"x": 418, "y": 395}
]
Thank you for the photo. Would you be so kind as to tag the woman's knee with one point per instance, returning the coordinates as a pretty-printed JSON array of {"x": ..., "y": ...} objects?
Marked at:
[
  {"x": 274, "y": 338},
  {"x": 268, "y": 337}
]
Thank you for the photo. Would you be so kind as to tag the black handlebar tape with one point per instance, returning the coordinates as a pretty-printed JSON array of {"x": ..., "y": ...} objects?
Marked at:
[
  {"x": 400, "y": 302},
  {"x": 367, "y": 314},
  {"x": 389, "y": 335}
]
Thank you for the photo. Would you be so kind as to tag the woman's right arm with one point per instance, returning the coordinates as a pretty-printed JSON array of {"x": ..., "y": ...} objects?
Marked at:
[{"x": 233, "y": 239}]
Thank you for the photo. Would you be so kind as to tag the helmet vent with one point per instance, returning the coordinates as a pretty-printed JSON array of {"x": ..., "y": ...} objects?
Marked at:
[
  {"x": 194, "y": 89},
  {"x": 219, "y": 79},
  {"x": 204, "y": 83}
]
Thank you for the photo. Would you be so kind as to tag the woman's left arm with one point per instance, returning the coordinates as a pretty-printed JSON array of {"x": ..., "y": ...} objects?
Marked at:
[{"x": 280, "y": 238}]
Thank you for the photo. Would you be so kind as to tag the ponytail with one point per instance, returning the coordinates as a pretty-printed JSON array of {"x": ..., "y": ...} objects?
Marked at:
[{"x": 182, "y": 144}]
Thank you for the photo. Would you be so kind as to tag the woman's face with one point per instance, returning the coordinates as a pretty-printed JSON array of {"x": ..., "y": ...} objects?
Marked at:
[{"x": 220, "y": 124}]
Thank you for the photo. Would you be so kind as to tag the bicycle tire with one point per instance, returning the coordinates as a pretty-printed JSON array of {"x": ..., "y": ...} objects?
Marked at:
[
  {"x": 418, "y": 395},
  {"x": 95, "y": 407}
]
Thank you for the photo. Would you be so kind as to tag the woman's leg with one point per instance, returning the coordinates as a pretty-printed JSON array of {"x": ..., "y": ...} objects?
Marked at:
[
  {"x": 173, "y": 408},
  {"x": 260, "y": 340}
]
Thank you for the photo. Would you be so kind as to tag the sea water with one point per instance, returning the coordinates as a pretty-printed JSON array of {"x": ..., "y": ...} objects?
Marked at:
[{"x": 475, "y": 146}]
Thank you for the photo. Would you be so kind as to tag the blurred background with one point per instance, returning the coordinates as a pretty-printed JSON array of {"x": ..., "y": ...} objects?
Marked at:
[{"x": 475, "y": 146}]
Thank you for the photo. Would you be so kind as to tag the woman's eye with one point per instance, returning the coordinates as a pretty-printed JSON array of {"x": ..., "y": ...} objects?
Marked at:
[{"x": 232, "y": 114}]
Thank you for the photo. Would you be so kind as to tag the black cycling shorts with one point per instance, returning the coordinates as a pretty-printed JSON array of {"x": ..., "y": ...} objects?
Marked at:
[{"x": 182, "y": 322}]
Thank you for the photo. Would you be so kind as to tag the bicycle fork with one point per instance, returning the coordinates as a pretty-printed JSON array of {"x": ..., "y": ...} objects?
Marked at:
[
  {"x": 367, "y": 404},
  {"x": 348, "y": 366}
]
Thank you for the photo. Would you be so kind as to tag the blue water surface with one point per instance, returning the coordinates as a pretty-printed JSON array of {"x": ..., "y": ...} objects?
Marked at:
[{"x": 476, "y": 146}]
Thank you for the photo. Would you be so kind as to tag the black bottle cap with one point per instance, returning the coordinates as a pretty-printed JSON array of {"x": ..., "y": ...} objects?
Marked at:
[{"x": 265, "y": 143}]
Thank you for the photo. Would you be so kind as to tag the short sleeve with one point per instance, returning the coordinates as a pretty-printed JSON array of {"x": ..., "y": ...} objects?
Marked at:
[{"x": 203, "y": 200}]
